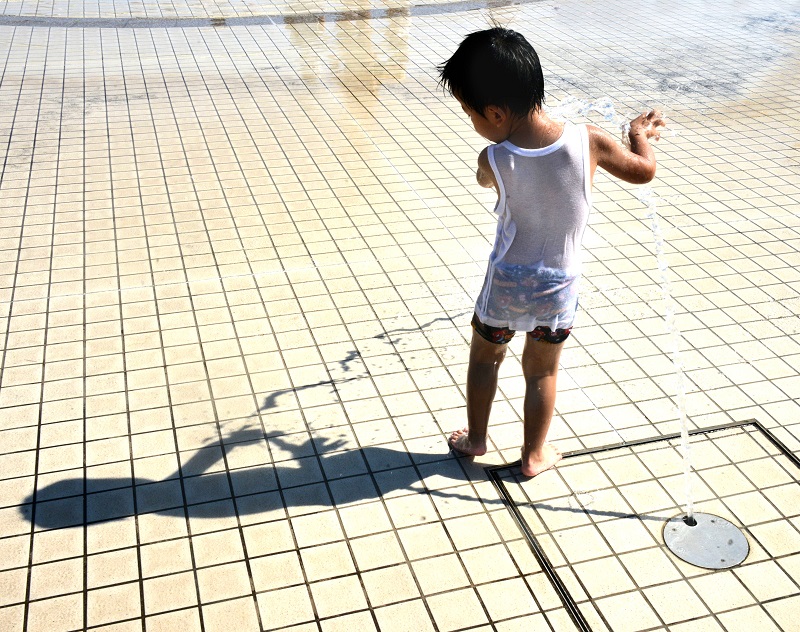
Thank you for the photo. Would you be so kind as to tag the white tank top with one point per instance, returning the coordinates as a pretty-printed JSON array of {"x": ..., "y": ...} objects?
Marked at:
[{"x": 543, "y": 207}]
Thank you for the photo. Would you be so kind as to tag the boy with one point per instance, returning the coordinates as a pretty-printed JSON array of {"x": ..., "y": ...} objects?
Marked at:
[{"x": 542, "y": 171}]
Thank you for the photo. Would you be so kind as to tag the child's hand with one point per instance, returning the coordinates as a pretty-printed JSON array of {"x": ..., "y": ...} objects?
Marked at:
[
  {"x": 646, "y": 125},
  {"x": 484, "y": 174},
  {"x": 484, "y": 178}
]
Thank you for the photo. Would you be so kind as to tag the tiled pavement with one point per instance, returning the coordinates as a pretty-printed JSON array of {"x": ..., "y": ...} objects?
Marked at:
[{"x": 239, "y": 247}]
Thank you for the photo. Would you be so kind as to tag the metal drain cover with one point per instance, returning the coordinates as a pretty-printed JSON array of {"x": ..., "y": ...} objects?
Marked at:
[{"x": 712, "y": 543}]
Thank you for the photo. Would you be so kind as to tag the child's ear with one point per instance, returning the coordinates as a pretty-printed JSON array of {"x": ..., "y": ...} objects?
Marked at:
[{"x": 497, "y": 115}]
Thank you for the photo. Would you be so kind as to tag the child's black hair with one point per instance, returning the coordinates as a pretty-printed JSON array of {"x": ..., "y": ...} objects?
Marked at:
[{"x": 497, "y": 66}]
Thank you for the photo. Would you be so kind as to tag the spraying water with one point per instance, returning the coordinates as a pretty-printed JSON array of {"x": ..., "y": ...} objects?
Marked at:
[
  {"x": 702, "y": 539},
  {"x": 571, "y": 108},
  {"x": 647, "y": 197}
]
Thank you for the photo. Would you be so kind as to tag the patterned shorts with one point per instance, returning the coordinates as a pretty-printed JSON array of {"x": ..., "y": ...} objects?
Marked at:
[{"x": 502, "y": 335}]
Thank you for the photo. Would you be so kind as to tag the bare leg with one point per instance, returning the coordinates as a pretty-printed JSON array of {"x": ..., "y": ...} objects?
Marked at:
[
  {"x": 484, "y": 363},
  {"x": 540, "y": 368}
]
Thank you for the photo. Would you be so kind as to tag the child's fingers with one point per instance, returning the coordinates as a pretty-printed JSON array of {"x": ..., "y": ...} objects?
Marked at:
[
  {"x": 654, "y": 119},
  {"x": 648, "y": 117},
  {"x": 649, "y": 123}
]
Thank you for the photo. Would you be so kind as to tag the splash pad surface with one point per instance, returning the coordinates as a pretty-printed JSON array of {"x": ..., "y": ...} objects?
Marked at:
[{"x": 240, "y": 242}]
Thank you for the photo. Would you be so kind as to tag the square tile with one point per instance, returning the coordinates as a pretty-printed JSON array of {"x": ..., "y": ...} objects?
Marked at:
[
  {"x": 488, "y": 564},
  {"x": 507, "y": 598},
  {"x": 166, "y": 557},
  {"x": 14, "y": 584},
  {"x": 452, "y": 609},
  {"x": 377, "y": 550},
  {"x": 223, "y": 582},
  {"x": 284, "y": 607},
  {"x": 56, "y": 578},
  {"x": 240, "y": 614},
  {"x": 169, "y": 592},
  {"x": 425, "y": 540},
  {"x": 337, "y": 596},
  {"x": 113, "y": 603},
  {"x": 676, "y": 602},
  {"x": 274, "y": 571},
  {"x": 388, "y": 585},
  {"x": 441, "y": 573},
  {"x": 404, "y": 616},
  {"x": 326, "y": 561},
  {"x": 317, "y": 528},
  {"x": 113, "y": 567},
  {"x": 217, "y": 547},
  {"x": 628, "y": 611},
  {"x": 59, "y": 613},
  {"x": 723, "y": 592},
  {"x": 268, "y": 537},
  {"x": 767, "y": 580}
]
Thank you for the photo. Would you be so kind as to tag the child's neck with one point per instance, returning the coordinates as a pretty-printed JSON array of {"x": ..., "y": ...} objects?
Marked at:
[{"x": 534, "y": 131}]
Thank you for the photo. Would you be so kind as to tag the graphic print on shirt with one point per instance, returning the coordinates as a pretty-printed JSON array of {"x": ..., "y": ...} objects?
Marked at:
[{"x": 531, "y": 293}]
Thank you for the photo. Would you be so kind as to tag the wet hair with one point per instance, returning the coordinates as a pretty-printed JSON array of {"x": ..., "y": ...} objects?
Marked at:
[{"x": 497, "y": 66}]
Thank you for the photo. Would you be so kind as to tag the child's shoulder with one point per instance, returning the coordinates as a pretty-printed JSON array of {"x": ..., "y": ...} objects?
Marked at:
[{"x": 599, "y": 139}]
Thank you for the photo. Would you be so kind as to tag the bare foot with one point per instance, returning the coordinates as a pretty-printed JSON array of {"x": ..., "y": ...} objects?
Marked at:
[
  {"x": 537, "y": 463},
  {"x": 460, "y": 442}
]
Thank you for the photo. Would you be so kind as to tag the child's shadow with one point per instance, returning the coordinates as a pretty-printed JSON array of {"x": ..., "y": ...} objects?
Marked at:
[
  {"x": 314, "y": 474},
  {"x": 214, "y": 483}
]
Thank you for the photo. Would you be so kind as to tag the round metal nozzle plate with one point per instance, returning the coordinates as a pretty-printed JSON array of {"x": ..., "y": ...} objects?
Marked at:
[{"x": 712, "y": 543}]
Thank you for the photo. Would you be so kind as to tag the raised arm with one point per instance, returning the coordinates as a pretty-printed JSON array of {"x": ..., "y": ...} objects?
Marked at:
[
  {"x": 485, "y": 174},
  {"x": 636, "y": 165}
]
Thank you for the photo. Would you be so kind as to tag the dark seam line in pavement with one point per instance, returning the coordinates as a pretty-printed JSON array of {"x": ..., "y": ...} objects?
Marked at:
[{"x": 255, "y": 20}]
